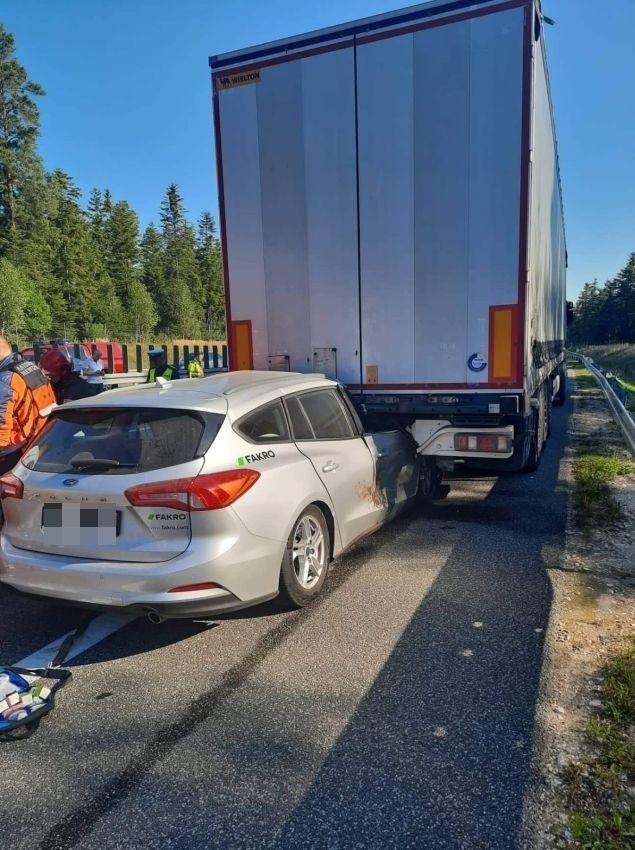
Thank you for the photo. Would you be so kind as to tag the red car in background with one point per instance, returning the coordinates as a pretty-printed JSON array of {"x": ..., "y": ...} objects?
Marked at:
[{"x": 85, "y": 349}]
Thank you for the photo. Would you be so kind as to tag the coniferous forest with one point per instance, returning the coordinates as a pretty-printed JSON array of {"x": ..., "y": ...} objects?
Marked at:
[
  {"x": 87, "y": 271},
  {"x": 605, "y": 314}
]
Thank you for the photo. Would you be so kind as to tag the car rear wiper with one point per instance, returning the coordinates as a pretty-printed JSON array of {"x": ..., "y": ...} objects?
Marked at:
[{"x": 100, "y": 463}]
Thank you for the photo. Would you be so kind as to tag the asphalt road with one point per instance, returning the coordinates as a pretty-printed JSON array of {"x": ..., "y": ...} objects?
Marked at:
[{"x": 397, "y": 712}]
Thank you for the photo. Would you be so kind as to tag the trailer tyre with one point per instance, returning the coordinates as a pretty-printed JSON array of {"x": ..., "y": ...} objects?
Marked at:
[
  {"x": 535, "y": 445},
  {"x": 561, "y": 396},
  {"x": 430, "y": 477}
]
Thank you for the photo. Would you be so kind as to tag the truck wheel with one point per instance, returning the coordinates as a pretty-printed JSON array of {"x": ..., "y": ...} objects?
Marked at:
[
  {"x": 548, "y": 408},
  {"x": 306, "y": 559},
  {"x": 430, "y": 477},
  {"x": 535, "y": 445},
  {"x": 561, "y": 395}
]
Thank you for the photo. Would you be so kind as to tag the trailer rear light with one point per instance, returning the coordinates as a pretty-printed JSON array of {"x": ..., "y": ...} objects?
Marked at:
[
  {"x": 188, "y": 588},
  {"x": 203, "y": 493},
  {"x": 11, "y": 487},
  {"x": 489, "y": 443}
]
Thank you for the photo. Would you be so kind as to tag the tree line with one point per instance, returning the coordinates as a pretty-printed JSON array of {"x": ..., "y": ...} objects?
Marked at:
[
  {"x": 86, "y": 273},
  {"x": 605, "y": 314}
]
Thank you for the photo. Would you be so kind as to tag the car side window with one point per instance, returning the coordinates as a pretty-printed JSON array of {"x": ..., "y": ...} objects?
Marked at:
[
  {"x": 300, "y": 425},
  {"x": 327, "y": 416},
  {"x": 268, "y": 424}
]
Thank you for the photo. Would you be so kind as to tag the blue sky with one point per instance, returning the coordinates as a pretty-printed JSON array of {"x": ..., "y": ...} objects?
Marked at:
[{"x": 128, "y": 102}]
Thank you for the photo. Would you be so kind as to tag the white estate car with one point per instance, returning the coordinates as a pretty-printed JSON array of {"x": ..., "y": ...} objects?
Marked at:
[{"x": 193, "y": 497}]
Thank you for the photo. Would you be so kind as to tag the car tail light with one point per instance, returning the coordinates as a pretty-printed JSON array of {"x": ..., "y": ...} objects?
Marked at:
[
  {"x": 10, "y": 486},
  {"x": 490, "y": 443},
  {"x": 203, "y": 493},
  {"x": 187, "y": 588}
]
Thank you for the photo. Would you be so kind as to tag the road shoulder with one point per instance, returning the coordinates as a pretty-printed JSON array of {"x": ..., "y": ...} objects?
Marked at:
[{"x": 592, "y": 622}]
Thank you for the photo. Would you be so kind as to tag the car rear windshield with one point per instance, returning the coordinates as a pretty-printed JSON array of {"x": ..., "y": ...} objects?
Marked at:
[{"x": 121, "y": 441}]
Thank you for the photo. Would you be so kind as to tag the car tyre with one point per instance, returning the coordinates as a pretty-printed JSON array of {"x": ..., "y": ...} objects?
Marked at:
[{"x": 306, "y": 559}]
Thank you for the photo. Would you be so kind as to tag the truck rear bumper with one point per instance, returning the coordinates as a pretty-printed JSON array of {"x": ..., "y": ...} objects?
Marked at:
[{"x": 440, "y": 438}]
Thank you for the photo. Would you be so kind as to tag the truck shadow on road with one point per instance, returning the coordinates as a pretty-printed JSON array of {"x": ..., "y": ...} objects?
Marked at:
[{"x": 438, "y": 753}]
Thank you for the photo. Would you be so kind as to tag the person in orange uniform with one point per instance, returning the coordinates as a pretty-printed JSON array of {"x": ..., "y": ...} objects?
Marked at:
[{"x": 26, "y": 398}]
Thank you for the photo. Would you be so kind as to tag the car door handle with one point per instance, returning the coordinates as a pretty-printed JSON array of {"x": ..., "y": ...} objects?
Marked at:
[{"x": 330, "y": 466}]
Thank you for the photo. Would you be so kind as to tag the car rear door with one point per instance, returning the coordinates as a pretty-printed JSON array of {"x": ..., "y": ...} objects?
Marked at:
[{"x": 325, "y": 432}]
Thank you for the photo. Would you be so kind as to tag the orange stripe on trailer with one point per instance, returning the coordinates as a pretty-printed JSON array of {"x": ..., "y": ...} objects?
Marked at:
[
  {"x": 503, "y": 335},
  {"x": 242, "y": 354}
]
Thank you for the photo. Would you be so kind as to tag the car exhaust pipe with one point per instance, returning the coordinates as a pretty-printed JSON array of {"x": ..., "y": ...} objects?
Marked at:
[{"x": 154, "y": 616}]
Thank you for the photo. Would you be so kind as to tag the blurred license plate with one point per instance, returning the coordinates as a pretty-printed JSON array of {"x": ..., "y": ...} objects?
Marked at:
[{"x": 80, "y": 525}]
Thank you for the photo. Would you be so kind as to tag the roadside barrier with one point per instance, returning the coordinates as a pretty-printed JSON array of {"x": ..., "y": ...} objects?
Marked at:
[
  {"x": 621, "y": 415},
  {"x": 127, "y": 364}
]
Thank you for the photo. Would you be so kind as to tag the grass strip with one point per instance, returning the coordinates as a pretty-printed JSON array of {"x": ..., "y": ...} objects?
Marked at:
[
  {"x": 599, "y": 793},
  {"x": 593, "y": 502}
]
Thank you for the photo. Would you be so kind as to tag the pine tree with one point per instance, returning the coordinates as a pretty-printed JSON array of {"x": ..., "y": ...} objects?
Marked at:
[
  {"x": 587, "y": 312},
  {"x": 209, "y": 256},
  {"x": 172, "y": 214},
  {"x": 19, "y": 127},
  {"x": 83, "y": 293},
  {"x": 625, "y": 297},
  {"x": 141, "y": 312},
  {"x": 96, "y": 217},
  {"x": 121, "y": 248},
  {"x": 181, "y": 282}
]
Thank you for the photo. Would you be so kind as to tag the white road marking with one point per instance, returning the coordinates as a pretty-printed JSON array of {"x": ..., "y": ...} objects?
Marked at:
[{"x": 99, "y": 629}]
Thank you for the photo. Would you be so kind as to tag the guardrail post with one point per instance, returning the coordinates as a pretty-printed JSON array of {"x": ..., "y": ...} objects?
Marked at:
[
  {"x": 110, "y": 358},
  {"x": 225, "y": 360},
  {"x": 206, "y": 356},
  {"x": 138, "y": 358},
  {"x": 37, "y": 352},
  {"x": 175, "y": 355},
  {"x": 186, "y": 356},
  {"x": 215, "y": 356},
  {"x": 124, "y": 355}
]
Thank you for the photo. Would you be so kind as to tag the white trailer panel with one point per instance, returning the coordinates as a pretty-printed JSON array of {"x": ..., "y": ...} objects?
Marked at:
[
  {"x": 385, "y": 110},
  {"x": 442, "y": 202},
  {"x": 244, "y": 243},
  {"x": 328, "y": 82},
  {"x": 385, "y": 198},
  {"x": 547, "y": 249}
]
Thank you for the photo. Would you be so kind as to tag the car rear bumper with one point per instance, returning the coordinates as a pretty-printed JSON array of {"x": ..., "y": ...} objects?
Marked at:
[{"x": 245, "y": 574}]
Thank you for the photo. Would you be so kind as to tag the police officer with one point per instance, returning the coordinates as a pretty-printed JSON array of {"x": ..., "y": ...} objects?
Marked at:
[
  {"x": 26, "y": 398},
  {"x": 159, "y": 368}
]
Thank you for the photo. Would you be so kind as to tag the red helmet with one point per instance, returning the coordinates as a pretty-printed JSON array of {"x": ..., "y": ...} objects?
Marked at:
[{"x": 55, "y": 364}]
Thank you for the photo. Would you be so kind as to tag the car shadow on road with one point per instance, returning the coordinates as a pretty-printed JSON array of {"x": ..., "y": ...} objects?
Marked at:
[{"x": 438, "y": 753}]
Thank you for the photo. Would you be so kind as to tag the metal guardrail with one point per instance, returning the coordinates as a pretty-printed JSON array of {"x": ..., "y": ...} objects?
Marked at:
[{"x": 621, "y": 415}]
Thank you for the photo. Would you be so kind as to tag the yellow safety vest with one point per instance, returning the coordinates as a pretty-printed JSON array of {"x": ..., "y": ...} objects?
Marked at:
[{"x": 195, "y": 370}]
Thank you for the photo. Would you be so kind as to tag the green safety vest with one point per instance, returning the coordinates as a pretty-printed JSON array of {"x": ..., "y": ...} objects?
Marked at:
[{"x": 152, "y": 374}]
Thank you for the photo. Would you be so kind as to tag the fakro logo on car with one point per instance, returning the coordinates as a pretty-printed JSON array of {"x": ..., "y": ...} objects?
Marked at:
[{"x": 247, "y": 459}]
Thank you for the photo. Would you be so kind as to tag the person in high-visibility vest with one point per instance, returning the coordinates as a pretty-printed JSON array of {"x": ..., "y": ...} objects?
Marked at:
[
  {"x": 26, "y": 399},
  {"x": 159, "y": 367},
  {"x": 195, "y": 366}
]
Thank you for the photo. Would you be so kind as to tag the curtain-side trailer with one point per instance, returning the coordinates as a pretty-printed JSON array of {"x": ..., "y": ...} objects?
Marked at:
[{"x": 391, "y": 216}]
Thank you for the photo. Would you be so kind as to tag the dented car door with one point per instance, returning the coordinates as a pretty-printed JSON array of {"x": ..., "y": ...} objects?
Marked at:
[{"x": 326, "y": 433}]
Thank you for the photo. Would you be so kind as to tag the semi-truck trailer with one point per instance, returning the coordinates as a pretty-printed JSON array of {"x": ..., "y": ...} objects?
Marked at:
[{"x": 391, "y": 216}]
